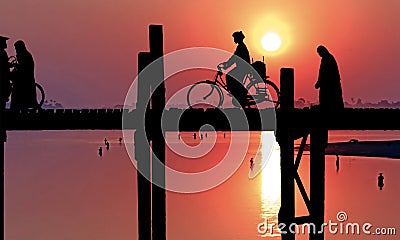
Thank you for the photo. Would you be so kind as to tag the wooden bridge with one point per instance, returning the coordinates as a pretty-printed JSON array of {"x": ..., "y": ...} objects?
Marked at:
[
  {"x": 290, "y": 124},
  {"x": 193, "y": 119}
]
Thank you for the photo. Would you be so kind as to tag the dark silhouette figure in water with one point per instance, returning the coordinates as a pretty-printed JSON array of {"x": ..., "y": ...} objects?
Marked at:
[
  {"x": 194, "y": 135},
  {"x": 105, "y": 141},
  {"x": 235, "y": 77},
  {"x": 380, "y": 181},
  {"x": 224, "y": 135},
  {"x": 251, "y": 164},
  {"x": 337, "y": 163},
  {"x": 328, "y": 83},
  {"x": 100, "y": 151},
  {"x": 5, "y": 85},
  {"x": 24, "y": 89},
  {"x": 201, "y": 136},
  {"x": 120, "y": 140},
  {"x": 107, "y": 145}
]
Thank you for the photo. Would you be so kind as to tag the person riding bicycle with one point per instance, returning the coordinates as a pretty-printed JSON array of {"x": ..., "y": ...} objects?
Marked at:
[
  {"x": 235, "y": 77},
  {"x": 24, "y": 89}
]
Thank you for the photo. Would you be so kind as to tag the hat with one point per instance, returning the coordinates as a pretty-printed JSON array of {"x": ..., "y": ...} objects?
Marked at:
[
  {"x": 238, "y": 34},
  {"x": 2, "y": 38}
]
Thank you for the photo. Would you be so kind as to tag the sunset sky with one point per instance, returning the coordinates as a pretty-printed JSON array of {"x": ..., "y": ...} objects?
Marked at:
[{"x": 86, "y": 51}]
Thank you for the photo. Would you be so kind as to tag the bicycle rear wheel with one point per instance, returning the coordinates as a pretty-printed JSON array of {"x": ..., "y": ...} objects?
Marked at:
[
  {"x": 205, "y": 94},
  {"x": 270, "y": 94}
]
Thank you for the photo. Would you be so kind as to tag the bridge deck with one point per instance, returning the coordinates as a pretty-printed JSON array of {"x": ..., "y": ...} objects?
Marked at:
[{"x": 192, "y": 119}]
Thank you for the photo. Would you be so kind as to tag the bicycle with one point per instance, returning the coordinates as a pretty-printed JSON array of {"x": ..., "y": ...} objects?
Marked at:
[
  {"x": 259, "y": 89},
  {"x": 12, "y": 60}
]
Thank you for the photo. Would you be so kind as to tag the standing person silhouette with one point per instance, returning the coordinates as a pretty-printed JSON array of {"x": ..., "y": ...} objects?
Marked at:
[
  {"x": 100, "y": 151},
  {"x": 235, "y": 77},
  {"x": 330, "y": 89},
  {"x": 24, "y": 89},
  {"x": 5, "y": 84},
  {"x": 328, "y": 83},
  {"x": 380, "y": 181},
  {"x": 337, "y": 163}
]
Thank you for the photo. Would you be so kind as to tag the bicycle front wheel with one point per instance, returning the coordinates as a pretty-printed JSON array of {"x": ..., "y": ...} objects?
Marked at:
[{"x": 205, "y": 94}]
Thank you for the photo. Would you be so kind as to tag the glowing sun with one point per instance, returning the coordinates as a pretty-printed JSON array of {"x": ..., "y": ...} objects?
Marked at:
[{"x": 271, "y": 41}]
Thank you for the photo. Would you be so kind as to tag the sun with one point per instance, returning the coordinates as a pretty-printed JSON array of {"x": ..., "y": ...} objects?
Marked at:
[{"x": 271, "y": 41}]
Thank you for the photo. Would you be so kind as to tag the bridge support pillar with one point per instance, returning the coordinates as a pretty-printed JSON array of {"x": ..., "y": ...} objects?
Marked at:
[
  {"x": 285, "y": 139},
  {"x": 286, "y": 134},
  {"x": 317, "y": 179},
  {"x": 142, "y": 151},
  {"x": 158, "y": 142}
]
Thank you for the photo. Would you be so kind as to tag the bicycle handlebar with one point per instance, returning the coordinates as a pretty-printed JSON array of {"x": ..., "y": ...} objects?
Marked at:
[{"x": 219, "y": 67}]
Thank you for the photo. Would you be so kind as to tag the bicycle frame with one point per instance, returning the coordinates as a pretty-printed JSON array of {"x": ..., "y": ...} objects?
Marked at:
[
  {"x": 258, "y": 95},
  {"x": 219, "y": 81}
]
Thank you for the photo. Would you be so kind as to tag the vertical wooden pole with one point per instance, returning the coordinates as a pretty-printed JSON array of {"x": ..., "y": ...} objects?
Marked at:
[
  {"x": 3, "y": 139},
  {"x": 142, "y": 151},
  {"x": 158, "y": 143},
  {"x": 285, "y": 138},
  {"x": 317, "y": 174},
  {"x": 2, "y": 143}
]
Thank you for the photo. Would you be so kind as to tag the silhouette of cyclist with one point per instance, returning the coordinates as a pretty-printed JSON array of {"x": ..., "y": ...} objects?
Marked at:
[{"x": 235, "y": 77}]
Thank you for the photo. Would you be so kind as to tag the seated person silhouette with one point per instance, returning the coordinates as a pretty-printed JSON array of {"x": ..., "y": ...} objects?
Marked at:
[{"x": 235, "y": 77}]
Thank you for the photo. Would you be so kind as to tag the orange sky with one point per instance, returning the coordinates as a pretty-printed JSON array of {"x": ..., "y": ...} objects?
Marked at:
[{"x": 86, "y": 51}]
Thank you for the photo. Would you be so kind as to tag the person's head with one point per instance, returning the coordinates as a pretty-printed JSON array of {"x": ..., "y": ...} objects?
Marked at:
[
  {"x": 19, "y": 46},
  {"x": 322, "y": 51},
  {"x": 3, "y": 42},
  {"x": 238, "y": 37},
  {"x": 380, "y": 174}
]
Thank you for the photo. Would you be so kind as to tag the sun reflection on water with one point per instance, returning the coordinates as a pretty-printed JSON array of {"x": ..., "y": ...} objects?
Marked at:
[{"x": 271, "y": 187}]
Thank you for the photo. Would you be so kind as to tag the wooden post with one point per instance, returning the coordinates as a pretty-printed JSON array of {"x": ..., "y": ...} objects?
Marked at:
[
  {"x": 3, "y": 139},
  {"x": 318, "y": 138},
  {"x": 285, "y": 139},
  {"x": 158, "y": 142},
  {"x": 2, "y": 143},
  {"x": 142, "y": 151}
]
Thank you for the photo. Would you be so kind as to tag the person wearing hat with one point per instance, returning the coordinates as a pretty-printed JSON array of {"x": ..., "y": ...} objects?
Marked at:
[
  {"x": 24, "y": 90},
  {"x": 5, "y": 84},
  {"x": 235, "y": 77}
]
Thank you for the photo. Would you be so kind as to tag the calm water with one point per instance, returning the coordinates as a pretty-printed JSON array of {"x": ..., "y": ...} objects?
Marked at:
[{"x": 57, "y": 187}]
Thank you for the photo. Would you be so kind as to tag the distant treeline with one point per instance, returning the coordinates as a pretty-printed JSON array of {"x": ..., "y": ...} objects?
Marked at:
[{"x": 301, "y": 103}]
